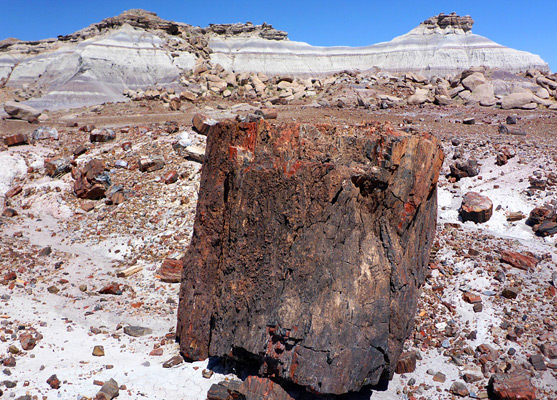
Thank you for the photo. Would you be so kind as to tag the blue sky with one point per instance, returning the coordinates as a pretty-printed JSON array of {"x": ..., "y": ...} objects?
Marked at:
[{"x": 523, "y": 25}]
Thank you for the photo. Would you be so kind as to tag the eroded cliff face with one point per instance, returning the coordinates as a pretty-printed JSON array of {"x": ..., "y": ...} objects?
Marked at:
[
  {"x": 309, "y": 246},
  {"x": 137, "y": 50}
]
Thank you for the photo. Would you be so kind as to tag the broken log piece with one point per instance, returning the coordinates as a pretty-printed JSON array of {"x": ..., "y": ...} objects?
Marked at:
[
  {"x": 125, "y": 273},
  {"x": 295, "y": 225}
]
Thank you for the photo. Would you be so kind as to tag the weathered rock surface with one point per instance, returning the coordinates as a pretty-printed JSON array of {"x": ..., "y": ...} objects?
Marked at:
[
  {"x": 308, "y": 248},
  {"x": 513, "y": 386},
  {"x": 442, "y": 44}
]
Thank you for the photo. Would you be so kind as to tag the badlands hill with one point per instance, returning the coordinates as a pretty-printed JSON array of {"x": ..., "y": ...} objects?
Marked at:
[{"x": 137, "y": 50}]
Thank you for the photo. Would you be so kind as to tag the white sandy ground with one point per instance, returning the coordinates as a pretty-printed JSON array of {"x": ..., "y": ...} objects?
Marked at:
[{"x": 66, "y": 347}]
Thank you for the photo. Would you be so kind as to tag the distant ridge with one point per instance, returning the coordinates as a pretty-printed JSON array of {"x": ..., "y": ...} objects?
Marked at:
[{"x": 137, "y": 49}]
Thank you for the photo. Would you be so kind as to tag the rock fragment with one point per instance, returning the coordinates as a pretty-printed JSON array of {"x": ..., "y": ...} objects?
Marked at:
[
  {"x": 108, "y": 391},
  {"x": 476, "y": 208},
  {"x": 15, "y": 140},
  {"x": 137, "y": 331},
  {"x": 53, "y": 381},
  {"x": 171, "y": 270},
  {"x": 202, "y": 123},
  {"x": 518, "y": 260},
  {"x": 513, "y": 386}
]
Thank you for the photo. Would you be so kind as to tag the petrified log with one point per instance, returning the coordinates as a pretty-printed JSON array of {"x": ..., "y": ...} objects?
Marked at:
[{"x": 309, "y": 245}]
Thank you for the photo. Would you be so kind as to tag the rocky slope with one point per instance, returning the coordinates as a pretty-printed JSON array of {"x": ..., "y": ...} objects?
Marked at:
[{"x": 137, "y": 49}]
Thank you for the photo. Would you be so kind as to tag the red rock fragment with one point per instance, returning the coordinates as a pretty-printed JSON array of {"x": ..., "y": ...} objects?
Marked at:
[
  {"x": 54, "y": 382},
  {"x": 255, "y": 387},
  {"x": 148, "y": 164},
  {"x": 29, "y": 340},
  {"x": 202, "y": 123},
  {"x": 9, "y": 362},
  {"x": 9, "y": 212},
  {"x": 10, "y": 276},
  {"x": 15, "y": 140},
  {"x": 171, "y": 177},
  {"x": 471, "y": 298},
  {"x": 406, "y": 363},
  {"x": 171, "y": 271},
  {"x": 518, "y": 260},
  {"x": 157, "y": 352},
  {"x": 513, "y": 386},
  {"x": 113, "y": 288},
  {"x": 476, "y": 208},
  {"x": 13, "y": 191}
]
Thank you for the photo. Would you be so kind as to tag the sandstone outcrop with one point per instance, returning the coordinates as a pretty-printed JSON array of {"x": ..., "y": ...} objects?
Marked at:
[{"x": 309, "y": 245}]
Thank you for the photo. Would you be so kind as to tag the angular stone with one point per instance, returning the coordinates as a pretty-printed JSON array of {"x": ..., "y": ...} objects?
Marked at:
[
  {"x": 471, "y": 298},
  {"x": 98, "y": 351},
  {"x": 148, "y": 164},
  {"x": 113, "y": 288},
  {"x": 44, "y": 132},
  {"x": 54, "y": 382},
  {"x": 514, "y": 386},
  {"x": 537, "y": 362},
  {"x": 194, "y": 153},
  {"x": 171, "y": 270},
  {"x": 29, "y": 340},
  {"x": 406, "y": 362},
  {"x": 13, "y": 191},
  {"x": 171, "y": 177},
  {"x": 108, "y": 391},
  {"x": 459, "y": 389},
  {"x": 176, "y": 360},
  {"x": 518, "y": 260},
  {"x": 9, "y": 212},
  {"x": 15, "y": 140},
  {"x": 102, "y": 135},
  {"x": 202, "y": 123},
  {"x": 90, "y": 182},
  {"x": 137, "y": 331},
  {"x": 476, "y": 208},
  {"x": 439, "y": 377},
  {"x": 510, "y": 293},
  {"x": 285, "y": 240},
  {"x": 175, "y": 104},
  {"x": 465, "y": 169},
  {"x": 57, "y": 167}
]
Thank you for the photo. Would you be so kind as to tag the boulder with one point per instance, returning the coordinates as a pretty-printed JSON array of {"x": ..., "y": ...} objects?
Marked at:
[
  {"x": 286, "y": 241},
  {"x": 420, "y": 97},
  {"x": 21, "y": 111},
  {"x": 518, "y": 100},
  {"x": 484, "y": 95},
  {"x": 465, "y": 169},
  {"x": 476, "y": 208},
  {"x": 471, "y": 82}
]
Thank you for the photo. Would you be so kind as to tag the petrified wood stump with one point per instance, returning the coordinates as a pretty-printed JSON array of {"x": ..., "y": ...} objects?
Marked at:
[{"x": 309, "y": 245}]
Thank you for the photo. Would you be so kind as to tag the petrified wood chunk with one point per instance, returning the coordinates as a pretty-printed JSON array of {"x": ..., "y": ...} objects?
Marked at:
[{"x": 309, "y": 245}]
